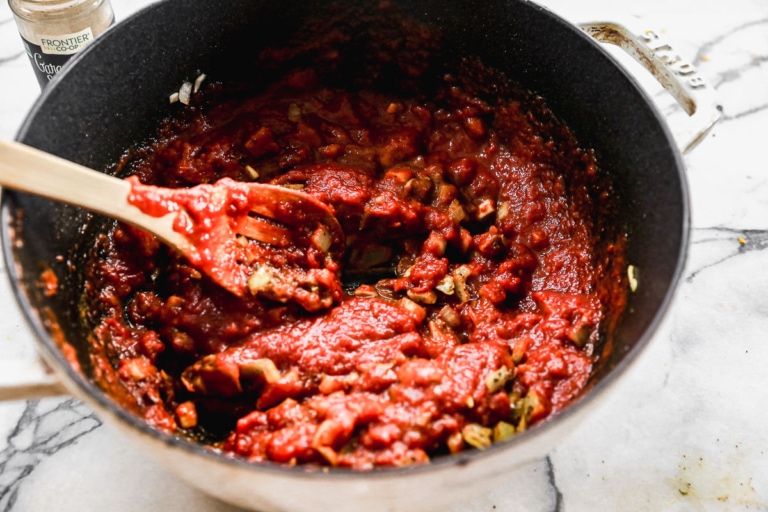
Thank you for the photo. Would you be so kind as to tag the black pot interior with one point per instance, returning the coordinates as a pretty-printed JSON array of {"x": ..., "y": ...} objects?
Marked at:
[{"x": 117, "y": 91}]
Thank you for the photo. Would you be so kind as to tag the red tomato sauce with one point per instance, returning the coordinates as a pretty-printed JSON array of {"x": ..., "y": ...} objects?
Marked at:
[
  {"x": 476, "y": 290},
  {"x": 296, "y": 259}
]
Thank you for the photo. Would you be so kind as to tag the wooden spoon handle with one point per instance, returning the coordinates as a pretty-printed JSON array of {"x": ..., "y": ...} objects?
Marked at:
[{"x": 30, "y": 170}]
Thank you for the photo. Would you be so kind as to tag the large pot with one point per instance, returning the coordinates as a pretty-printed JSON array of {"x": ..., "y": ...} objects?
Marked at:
[{"x": 116, "y": 91}]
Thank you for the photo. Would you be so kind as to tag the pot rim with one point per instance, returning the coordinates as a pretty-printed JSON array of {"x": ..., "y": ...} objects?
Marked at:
[{"x": 87, "y": 390}]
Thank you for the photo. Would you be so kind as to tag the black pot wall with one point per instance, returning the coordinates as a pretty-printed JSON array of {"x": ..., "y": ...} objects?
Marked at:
[{"x": 116, "y": 91}]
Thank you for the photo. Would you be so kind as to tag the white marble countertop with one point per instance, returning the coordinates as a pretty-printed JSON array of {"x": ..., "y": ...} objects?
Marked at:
[{"x": 684, "y": 430}]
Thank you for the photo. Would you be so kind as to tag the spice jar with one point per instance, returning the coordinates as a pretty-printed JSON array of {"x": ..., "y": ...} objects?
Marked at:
[{"x": 54, "y": 30}]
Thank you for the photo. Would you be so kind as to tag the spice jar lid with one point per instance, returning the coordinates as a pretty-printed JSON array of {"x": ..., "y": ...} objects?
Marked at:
[{"x": 50, "y": 10}]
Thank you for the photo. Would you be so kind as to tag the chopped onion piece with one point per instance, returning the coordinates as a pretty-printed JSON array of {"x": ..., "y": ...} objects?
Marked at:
[
  {"x": 503, "y": 212},
  {"x": 327, "y": 452},
  {"x": 186, "y": 414},
  {"x": 198, "y": 82},
  {"x": 264, "y": 366},
  {"x": 321, "y": 239},
  {"x": 485, "y": 208},
  {"x": 460, "y": 276},
  {"x": 419, "y": 312},
  {"x": 428, "y": 297},
  {"x": 294, "y": 113},
  {"x": 456, "y": 211},
  {"x": 632, "y": 275},
  {"x": 185, "y": 93},
  {"x": 253, "y": 173},
  {"x": 366, "y": 290},
  {"x": 260, "y": 280},
  {"x": 450, "y": 316},
  {"x": 477, "y": 436},
  {"x": 498, "y": 379},
  {"x": 502, "y": 431},
  {"x": 446, "y": 285}
]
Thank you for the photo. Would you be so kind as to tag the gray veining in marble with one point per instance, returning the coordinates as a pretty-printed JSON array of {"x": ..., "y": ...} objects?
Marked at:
[{"x": 42, "y": 430}]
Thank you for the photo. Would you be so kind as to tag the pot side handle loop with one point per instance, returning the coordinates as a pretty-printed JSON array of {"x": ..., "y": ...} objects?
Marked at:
[
  {"x": 27, "y": 379},
  {"x": 678, "y": 76}
]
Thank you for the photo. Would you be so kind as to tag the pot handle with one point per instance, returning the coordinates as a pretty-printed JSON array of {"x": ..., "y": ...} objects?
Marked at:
[
  {"x": 27, "y": 379},
  {"x": 691, "y": 91}
]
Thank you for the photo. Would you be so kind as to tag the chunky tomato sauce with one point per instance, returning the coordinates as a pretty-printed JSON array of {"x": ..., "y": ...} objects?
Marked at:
[
  {"x": 296, "y": 259},
  {"x": 477, "y": 287}
]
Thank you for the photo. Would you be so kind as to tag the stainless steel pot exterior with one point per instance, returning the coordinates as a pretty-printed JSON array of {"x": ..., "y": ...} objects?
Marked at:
[{"x": 116, "y": 91}]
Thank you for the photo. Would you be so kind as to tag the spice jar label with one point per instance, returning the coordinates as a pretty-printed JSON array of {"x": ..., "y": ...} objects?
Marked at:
[
  {"x": 66, "y": 44},
  {"x": 48, "y": 58},
  {"x": 55, "y": 30}
]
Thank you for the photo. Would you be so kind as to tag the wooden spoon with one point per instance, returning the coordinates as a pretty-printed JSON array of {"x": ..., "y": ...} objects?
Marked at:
[{"x": 201, "y": 222}]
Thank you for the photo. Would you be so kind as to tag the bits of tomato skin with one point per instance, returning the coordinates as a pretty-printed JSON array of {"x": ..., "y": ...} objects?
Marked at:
[
  {"x": 331, "y": 384},
  {"x": 538, "y": 239},
  {"x": 262, "y": 143},
  {"x": 366, "y": 290},
  {"x": 380, "y": 436},
  {"x": 427, "y": 272},
  {"x": 213, "y": 375},
  {"x": 558, "y": 367},
  {"x": 331, "y": 151},
  {"x": 182, "y": 343},
  {"x": 157, "y": 416},
  {"x": 291, "y": 444},
  {"x": 151, "y": 345},
  {"x": 136, "y": 369},
  {"x": 284, "y": 389},
  {"x": 462, "y": 171},
  {"x": 493, "y": 292},
  {"x": 250, "y": 421},
  {"x": 435, "y": 244},
  {"x": 401, "y": 146},
  {"x": 490, "y": 244},
  {"x": 286, "y": 413}
]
